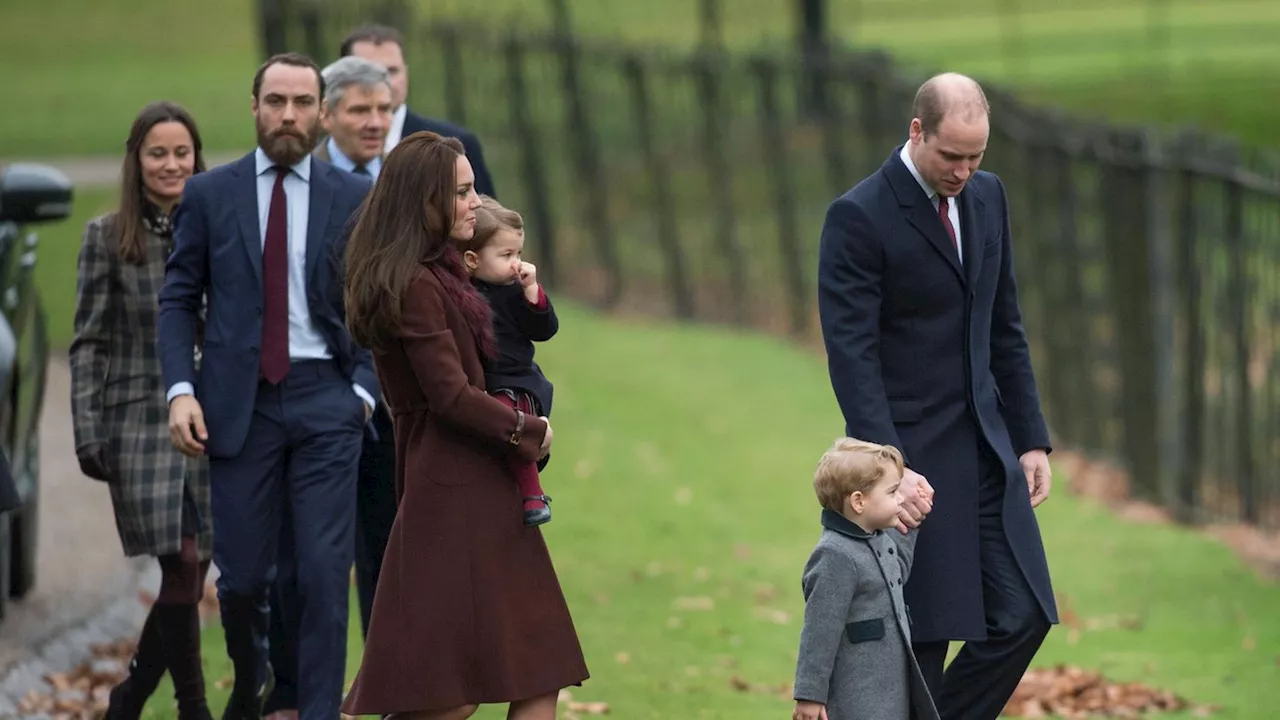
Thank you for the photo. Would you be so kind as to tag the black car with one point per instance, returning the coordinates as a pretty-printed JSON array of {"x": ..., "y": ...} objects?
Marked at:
[{"x": 29, "y": 194}]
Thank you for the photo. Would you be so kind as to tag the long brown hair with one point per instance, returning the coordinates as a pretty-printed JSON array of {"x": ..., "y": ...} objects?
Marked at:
[
  {"x": 130, "y": 231},
  {"x": 403, "y": 225}
]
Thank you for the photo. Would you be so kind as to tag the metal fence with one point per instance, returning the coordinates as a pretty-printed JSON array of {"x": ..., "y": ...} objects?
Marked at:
[{"x": 693, "y": 184}]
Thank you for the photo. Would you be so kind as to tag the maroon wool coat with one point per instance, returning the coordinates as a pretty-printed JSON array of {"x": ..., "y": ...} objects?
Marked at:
[{"x": 468, "y": 608}]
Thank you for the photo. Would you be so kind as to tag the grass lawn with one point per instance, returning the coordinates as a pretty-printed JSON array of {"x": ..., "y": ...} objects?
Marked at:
[
  {"x": 81, "y": 85},
  {"x": 675, "y": 491}
]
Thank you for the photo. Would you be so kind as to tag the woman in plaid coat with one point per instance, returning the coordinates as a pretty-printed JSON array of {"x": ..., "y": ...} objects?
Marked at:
[{"x": 161, "y": 498}]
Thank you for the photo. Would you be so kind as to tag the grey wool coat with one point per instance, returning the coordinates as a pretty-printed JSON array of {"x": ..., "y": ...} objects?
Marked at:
[
  {"x": 855, "y": 647},
  {"x": 118, "y": 395}
]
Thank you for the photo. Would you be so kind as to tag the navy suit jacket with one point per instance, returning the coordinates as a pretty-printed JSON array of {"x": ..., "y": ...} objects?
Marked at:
[
  {"x": 218, "y": 251},
  {"x": 929, "y": 355},
  {"x": 416, "y": 123}
]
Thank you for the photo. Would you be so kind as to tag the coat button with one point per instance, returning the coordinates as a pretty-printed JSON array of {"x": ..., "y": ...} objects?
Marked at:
[
  {"x": 258, "y": 310},
  {"x": 890, "y": 551}
]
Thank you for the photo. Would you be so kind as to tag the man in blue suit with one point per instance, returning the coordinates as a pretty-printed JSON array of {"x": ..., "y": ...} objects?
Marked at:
[
  {"x": 283, "y": 395},
  {"x": 927, "y": 353}
]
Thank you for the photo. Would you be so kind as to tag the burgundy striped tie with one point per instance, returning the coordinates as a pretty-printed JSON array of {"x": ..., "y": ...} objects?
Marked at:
[{"x": 274, "y": 360}]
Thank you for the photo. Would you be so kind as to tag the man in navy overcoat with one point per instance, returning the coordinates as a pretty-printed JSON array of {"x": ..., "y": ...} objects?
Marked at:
[{"x": 927, "y": 353}]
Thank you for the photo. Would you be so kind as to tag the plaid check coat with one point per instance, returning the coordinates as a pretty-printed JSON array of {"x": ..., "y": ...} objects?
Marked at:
[{"x": 118, "y": 395}]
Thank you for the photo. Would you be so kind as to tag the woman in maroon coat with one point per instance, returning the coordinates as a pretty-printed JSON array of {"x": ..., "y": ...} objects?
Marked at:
[{"x": 468, "y": 609}]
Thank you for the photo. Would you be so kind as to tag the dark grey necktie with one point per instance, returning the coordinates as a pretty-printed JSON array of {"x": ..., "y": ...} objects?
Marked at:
[{"x": 362, "y": 170}]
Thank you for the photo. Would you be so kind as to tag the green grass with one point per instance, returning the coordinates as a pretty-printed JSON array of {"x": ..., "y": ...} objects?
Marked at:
[
  {"x": 81, "y": 85},
  {"x": 670, "y": 483}
]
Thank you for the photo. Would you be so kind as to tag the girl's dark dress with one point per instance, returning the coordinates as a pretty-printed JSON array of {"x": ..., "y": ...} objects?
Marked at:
[{"x": 517, "y": 325}]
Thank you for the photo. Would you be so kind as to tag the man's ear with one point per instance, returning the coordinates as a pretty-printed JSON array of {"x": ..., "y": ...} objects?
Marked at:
[
  {"x": 471, "y": 259},
  {"x": 326, "y": 118}
]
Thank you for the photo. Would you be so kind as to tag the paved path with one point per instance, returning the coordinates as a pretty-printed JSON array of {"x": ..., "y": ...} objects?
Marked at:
[
  {"x": 103, "y": 170},
  {"x": 85, "y": 587}
]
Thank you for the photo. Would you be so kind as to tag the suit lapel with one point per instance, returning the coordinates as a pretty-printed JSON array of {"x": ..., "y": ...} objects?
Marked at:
[
  {"x": 919, "y": 211},
  {"x": 245, "y": 200},
  {"x": 318, "y": 219},
  {"x": 971, "y": 211}
]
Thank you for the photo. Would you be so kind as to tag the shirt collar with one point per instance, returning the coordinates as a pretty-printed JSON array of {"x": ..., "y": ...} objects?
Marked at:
[
  {"x": 339, "y": 159},
  {"x": 836, "y": 522},
  {"x": 302, "y": 169},
  {"x": 911, "y": 167}
]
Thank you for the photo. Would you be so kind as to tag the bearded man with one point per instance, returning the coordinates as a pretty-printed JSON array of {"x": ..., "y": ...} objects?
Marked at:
[{"x": 282, "y": 395}]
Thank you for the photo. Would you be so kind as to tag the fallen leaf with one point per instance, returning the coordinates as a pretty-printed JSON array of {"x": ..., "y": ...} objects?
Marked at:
[
  {"x": 691, "y": 603},
  {"x": 1249, "y": 643},
  {"x": 742, "y": 551},
  {"x": 622, "y": 658}
]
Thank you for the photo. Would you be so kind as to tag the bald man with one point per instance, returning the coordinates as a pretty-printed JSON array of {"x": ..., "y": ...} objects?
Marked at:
[{"x": 927, "y": 353}]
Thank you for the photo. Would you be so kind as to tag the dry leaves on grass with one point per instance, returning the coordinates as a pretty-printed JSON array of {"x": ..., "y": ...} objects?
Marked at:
[
  {"x": 1071, "y": 693},
  {"x": 81, "y": 693}
]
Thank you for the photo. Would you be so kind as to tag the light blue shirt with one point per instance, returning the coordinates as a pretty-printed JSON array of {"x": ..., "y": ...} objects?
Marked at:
[
  {"x": 305, "y": 342},
  {"x": 339, "y": 160},
  {"x": 953, "y": 207}
]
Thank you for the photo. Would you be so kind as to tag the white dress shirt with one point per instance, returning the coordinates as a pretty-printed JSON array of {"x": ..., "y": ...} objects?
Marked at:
[
  {"x": 305, "y": 342},
  {"x": 340, "y": 160},
  {"x": 953, "y": 207},
  {"x": 397, "y": 127}
]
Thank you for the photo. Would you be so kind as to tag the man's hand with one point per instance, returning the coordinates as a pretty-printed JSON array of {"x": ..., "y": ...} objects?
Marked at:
[
  {"x": 547, "y": 441},
  {"x": 186, "y": 426},
  {"x": 917, "y": 500},
  {"x": 529, "y": 281},
  {"x": 806, "y": 710},
  {"x": 1035, "y": 464}
]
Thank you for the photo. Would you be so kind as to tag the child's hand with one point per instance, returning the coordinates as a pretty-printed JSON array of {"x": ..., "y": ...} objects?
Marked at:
[
  {"x": 809, "y": 711},
  {"x": 528, "y": 274},
  {"x": 529, "y": 280}
]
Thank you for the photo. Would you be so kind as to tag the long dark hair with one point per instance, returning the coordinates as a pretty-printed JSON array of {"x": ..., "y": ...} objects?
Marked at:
[
  {"x": 130, "y": 230},
  {"x": 404, "y": 224}
]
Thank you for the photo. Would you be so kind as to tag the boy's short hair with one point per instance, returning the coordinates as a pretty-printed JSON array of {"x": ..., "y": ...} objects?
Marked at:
[
  {"x": 852, "y": 466},
  {"x": 491, "y": 217}
]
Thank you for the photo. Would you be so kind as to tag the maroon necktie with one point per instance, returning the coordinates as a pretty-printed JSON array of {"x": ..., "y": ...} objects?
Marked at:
[
  {"x": 274, "y": 360},
  {"x": 945, "y": 217}
]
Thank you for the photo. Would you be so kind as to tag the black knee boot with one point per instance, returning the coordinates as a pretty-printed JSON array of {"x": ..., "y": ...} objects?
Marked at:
[
  {"x": 145, "y": 670},
  {"x": 180, "y": 635},
  {"x": 245, "y": 624}
]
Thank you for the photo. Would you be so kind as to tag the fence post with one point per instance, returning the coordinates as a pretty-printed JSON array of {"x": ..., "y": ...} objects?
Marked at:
[
  {"x": 1186, "y": 495},
  {"x": 1238, "y": 310},
  {"x": 777, "y": 160},
  {"x": 586, "y": 157},
  {"x": 811, "y": 38},
  {"x": 709, "y": 69},
  {"x": 273, "y": 20},
  {"x": 451, "y": 56},
  {"x": 1137, "y": 259},
  {"x": 659, "y": 189},
  {"x": 533, "y": 171}
]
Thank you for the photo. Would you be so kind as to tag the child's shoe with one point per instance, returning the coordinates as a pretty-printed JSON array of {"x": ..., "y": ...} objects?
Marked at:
[{"x": 537, "y": 510}]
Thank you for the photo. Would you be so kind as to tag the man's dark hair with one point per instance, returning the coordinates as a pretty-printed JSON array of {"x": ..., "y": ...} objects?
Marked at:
[
  {"x": 376, "y": 34},
  {"x": 290, "y": 58}
]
